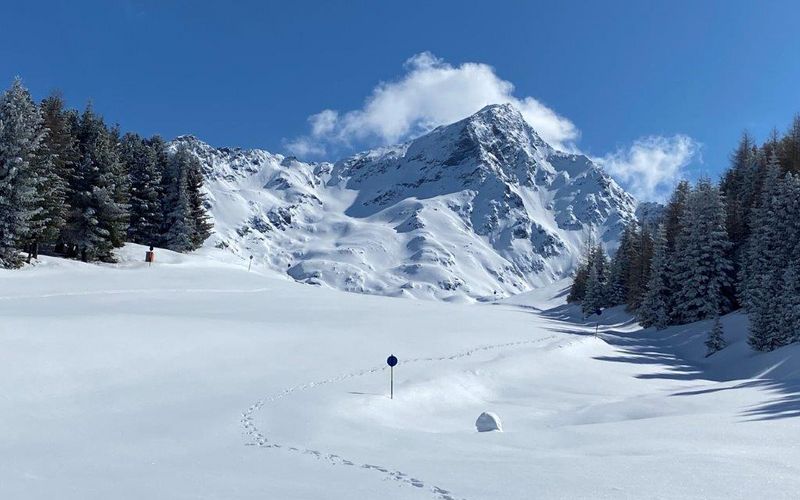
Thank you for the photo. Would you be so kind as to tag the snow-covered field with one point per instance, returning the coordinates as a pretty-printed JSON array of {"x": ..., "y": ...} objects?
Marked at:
[{"x": 197, "y": 379}]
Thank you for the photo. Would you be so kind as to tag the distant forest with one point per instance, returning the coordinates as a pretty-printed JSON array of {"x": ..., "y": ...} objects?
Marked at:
[{"x": 71, "y": 185}]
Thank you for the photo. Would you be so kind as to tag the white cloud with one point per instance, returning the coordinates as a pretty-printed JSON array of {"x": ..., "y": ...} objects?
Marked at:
[
  {"x": 430, "y": 93},
  {"x": 652, "y": 165},
  {"x": 305, "y": 147},
  {"x": 433, "y": 92}
]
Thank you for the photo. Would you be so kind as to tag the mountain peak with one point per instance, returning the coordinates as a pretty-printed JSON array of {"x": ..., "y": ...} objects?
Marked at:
[{"x": 505, "y": 110}]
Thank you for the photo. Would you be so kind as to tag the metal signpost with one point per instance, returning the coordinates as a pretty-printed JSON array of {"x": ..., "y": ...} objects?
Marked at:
[{"x": 391, "y": 361}]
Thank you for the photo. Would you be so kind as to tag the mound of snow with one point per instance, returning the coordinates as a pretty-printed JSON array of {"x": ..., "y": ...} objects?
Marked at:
[{"x": 488, "y": 422}]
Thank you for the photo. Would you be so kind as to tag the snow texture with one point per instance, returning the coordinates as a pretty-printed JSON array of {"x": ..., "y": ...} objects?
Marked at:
[{"x": 195, "y": 378}]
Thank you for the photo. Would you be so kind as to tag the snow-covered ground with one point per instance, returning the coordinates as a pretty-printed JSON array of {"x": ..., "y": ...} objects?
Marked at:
[{"x": 197, "y": 379}]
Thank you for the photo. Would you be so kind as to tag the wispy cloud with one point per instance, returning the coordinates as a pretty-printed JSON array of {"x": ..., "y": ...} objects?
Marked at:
[
  {"x": 651, "y": 166},
  {"x": 430, "y": 93}
]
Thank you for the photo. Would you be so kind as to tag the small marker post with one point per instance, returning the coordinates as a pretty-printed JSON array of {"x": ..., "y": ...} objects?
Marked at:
[
  {"x": 250, "y": 264},
  {"x": 391, "y": 361}
]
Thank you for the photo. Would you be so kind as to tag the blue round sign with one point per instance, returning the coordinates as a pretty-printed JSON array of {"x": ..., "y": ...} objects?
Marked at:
[{"x": 391, "y": 360}]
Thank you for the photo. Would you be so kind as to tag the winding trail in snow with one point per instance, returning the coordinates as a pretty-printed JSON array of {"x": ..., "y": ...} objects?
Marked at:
[{"x": 257, "y": 437}]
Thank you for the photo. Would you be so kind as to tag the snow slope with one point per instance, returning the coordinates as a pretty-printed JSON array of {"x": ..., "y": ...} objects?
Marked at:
[
  {"x": 479, "y": 209},
  {"x": 197, "y": 379}
]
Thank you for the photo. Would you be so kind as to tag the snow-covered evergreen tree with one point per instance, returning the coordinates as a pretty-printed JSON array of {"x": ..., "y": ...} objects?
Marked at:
[
  {"x": 621, "y": 266},
  {"x": 702, "y": 265},
  {"x": 789, "y": 322},
  {"x": 716, "y": 338},
  {"x": 98, "y": 219},
  {"x": 673, "y": 213},
  {"x": 179, "y": 224},
  {"x": 655, "y": 307},
  {"x": 771, "y": 256},
  {"x": 61, "y": 148},
  {"x": 639, "y": 272},
  {"x": 146, "y": 191},
  {"x": 186, "y": 218},
  {"x": 202, "y": 226},
  {"x": 596, "y": 296},
  {"x": 21, "y": 169}
]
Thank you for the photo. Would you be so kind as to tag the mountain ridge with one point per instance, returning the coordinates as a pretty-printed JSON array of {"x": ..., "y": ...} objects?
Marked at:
[{"x": 472, "y": 210}]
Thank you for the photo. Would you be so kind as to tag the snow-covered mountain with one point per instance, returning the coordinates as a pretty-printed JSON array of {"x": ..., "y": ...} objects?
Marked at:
[{"x": 477, "y": 209}]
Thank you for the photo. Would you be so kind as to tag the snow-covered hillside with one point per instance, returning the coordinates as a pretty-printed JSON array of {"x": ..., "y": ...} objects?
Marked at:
[
  {"x": 482, "y": 208},
  {"x": 196, "y": 379}
]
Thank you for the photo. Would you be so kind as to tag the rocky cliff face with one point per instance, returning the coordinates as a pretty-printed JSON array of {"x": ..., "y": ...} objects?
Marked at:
[{"x": 472, "y": 210}]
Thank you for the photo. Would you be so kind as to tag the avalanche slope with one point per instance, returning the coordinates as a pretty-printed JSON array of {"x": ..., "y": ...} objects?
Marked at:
[{"x": 123, "y": 381}]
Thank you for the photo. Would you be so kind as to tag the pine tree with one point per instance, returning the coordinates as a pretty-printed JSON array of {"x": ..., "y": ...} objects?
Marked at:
[
  {"x": 577, "y": 290},
  {"x": 202, "y": 226},
  {"x": 621, "y": 264},
  {"x": 98, "y": 220},
  {"x": 594, "y": 299},
  {"x": 60, "y": 145},
  {"x": 790, "y": 147},
  {"x": 789, "y": 321},
  {"x": 141, "y": 159},
  {"x": 673, "y": 213},
  {"x": 596, "y": 296},
  {"x": 655, "y": 307},
  {"x": 581, "y": 275},
  {"x": 187, "y": 223},
  {"x": 771, "y": 274},
  {"x": 21, "y": 162},
  {"x": 716, "y": 339},
  {"x": 639, "y": 272},
  {"x": 702, "y": 266},
  {"x": 179, "y": 223}
]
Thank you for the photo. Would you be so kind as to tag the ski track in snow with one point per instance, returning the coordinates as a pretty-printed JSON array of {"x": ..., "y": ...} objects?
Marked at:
[{"x": 259, "y": 439}]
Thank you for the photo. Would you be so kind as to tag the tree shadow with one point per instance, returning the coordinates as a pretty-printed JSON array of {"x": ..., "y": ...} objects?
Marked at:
[{"x": 664, "y": 348}]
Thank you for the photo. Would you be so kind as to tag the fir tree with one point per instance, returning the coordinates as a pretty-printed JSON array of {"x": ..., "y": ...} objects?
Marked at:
[
  {"x": 772, "y": 255},
  {"x": 702, "y": 266},
  {"x": 596, "y": 296},
  {"x": 789, "y": 321},
  {"x": 655, "y": 307},
  {"x": 179, "y": 224},
  {"x": 673, "y": 213},
  {"x": 21, "y": 167},
  {"x": 202, "y": 226},
  {"x": 577, "y": 290},
  {"x": 621, "y": 265},
  {"x": 716, "y": 339},
  {"x": 141, "y": 159},
  {"x": 639, "y": 271},
  {"x": 789, "y": 150},
  {"x": 594, "y": 299},
  {"x": 98, "y": 219},
  {"x": 61, "y": 148}
]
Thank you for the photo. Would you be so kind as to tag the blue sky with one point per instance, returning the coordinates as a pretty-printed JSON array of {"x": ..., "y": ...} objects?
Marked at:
[{"x": 656, "y": 89}]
